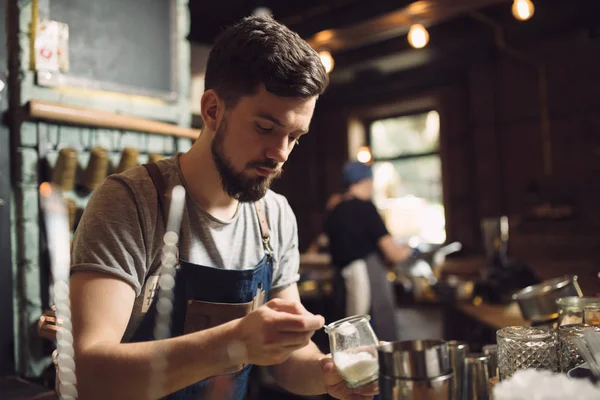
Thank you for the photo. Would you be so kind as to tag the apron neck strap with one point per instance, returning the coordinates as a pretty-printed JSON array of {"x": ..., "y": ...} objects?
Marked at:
[
  {"x": 264, "y": 227},
  {"x": 161, "y": 187}
]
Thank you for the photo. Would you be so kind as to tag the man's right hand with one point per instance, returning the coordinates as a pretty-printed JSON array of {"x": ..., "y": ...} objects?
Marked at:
[{"x": 272, "y": 332}]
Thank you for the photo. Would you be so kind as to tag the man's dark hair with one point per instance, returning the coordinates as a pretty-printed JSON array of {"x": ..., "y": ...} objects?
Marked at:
[{"x": 261, "y": 50}]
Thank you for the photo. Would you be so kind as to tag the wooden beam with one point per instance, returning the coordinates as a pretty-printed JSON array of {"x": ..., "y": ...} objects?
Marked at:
[
  {"x": 71, "y": 115},
  {"x": 394, "y": 24}
]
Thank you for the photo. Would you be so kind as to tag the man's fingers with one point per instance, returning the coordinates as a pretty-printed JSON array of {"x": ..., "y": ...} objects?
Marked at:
[
  {"x": 292, "y": 316},
  {"x": 330, "y": 374},
  {"x": 370, "y": 389},
  {"x": 285, "y": 322},
  {"x": 339, "y": 390},
  {"x": 292, "y": 307}
]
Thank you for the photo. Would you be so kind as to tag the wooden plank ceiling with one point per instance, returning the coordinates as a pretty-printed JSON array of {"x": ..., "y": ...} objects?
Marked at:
[{"x": 370, "y": 35}]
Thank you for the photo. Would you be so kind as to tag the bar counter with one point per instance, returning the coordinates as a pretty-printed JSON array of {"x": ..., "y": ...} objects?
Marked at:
[{"x": 494, "y": 316}]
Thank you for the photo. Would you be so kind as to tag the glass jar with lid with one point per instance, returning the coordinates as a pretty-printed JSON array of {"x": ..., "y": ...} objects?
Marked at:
[{"x": 574, "y": 310}]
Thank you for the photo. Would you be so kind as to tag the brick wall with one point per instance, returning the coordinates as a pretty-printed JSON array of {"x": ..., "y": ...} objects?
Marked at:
[{"x": 32, "y": 352}]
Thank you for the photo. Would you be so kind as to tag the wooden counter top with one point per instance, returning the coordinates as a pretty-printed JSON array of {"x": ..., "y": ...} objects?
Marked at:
[{"x": 494, "y": 316}]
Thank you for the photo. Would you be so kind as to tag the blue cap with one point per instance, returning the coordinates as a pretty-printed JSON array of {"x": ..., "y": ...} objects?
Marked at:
[{"x": 354, "y": 172}]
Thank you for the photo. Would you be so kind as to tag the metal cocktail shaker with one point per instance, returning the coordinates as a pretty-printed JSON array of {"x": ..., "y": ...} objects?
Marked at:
[
  {"x": 415, "y": 369},
  {"x": 458, "y": 354}
]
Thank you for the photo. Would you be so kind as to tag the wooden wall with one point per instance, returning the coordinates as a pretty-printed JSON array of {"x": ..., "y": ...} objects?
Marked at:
[{"x": 491, "y": 148}]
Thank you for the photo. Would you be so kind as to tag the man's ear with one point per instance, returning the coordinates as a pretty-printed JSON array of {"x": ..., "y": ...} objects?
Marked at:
[{"x": 211, "y": 109}]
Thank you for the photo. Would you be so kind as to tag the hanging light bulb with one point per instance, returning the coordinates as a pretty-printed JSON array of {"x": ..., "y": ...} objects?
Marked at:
[
  {"x": 523, "y": 9},
  {"x": 327, "y": 60},
  {"x": 364, "y": 154},
  {"x": 262, "y": 12},
  {"x": 418, "y": 37}
]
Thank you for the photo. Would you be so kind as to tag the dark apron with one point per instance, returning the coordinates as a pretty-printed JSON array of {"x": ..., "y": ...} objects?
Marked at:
[
  {"x": 205, "y": 297},
  {"x": 383, "y": 299}
]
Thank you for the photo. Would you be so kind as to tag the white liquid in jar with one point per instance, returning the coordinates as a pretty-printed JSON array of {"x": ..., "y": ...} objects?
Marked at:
[{"x": 356, "y": 367}]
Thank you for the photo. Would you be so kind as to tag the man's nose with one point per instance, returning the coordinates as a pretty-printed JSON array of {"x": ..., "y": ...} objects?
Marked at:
[{"x": 278, "y": 149}]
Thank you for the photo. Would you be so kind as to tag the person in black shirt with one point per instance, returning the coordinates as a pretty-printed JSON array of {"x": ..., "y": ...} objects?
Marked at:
[{"x": 359, "y": 245}]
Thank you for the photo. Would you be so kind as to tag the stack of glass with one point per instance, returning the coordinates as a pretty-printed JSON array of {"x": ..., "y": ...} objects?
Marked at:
[
  {"x": 522, "y": 347},
  {"x": 568, "y": 354}
]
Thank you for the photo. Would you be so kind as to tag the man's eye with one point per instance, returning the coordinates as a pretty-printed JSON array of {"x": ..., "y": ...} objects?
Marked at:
[
  {"x": 263, "y": 128},
  {"x": 295, "y": 139}
]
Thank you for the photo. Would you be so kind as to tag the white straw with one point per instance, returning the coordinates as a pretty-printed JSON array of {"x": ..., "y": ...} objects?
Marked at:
[
  {"x": 164, "y": 305},
  {"x": 58, "y": 236}
]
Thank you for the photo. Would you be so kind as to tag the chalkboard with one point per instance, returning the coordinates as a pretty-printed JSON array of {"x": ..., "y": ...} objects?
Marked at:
[{"x": 123, "y": 45}]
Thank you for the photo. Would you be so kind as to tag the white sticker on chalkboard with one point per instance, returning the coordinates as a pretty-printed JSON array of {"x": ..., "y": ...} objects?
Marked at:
[{"x": 46, "y": 46}]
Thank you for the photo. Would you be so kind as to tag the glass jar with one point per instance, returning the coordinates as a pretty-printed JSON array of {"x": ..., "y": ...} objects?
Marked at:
[
  {"x": 591, "y": 313},
  {"x": 522, "y": 347},
  {"x": 568, "y": 353},
  {"x": 353, "y": 346},
  {"x": 572, "y": 309}
]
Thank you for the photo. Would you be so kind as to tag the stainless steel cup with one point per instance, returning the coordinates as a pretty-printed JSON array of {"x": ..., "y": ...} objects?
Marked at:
[
  {"x": 476, "y": 379},
  {"x": 491, "y": 350},
  {"x": 414, "y": 359},
  {"x": 458, "y": 353},
  {"x": 438, "y": 388},
  {"x": 415, "y": 369}
]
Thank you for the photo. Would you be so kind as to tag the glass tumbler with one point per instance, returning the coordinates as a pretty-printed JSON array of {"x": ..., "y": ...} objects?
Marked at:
[
  {"x": 353, "y": 346},
  {"x": 522, "y": 347},
  {"x": 568, "y": 354}
]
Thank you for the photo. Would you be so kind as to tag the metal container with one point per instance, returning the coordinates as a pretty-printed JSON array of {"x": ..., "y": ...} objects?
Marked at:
[
  {"x": 414, "y": 359},
  {"x": 538, "y": 302},
  {"x": 458, "y": 353},
  {"x": 476, "y": 379},
  {"x": 582, "y": 372},
  {"x": 415, "y": 369},
  {"x": 491, "y": 350},
  {"x": 439, "y": 388}
]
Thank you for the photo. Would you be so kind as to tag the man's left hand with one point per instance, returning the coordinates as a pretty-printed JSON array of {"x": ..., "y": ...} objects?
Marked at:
[{"x": 336, "y": 385}]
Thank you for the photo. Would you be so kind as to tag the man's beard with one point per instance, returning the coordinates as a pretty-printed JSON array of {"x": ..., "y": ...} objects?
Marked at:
[{"x": 236, "y": 184}]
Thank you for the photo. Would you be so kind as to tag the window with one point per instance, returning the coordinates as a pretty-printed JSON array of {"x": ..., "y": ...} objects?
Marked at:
[{"x": 407, "y": 176}]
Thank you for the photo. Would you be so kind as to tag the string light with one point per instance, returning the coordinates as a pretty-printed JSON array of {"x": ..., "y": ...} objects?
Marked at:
[
  {"x": 327, "y": 60},
  {"x": 523, "y": 9},
  {"x": 364, "y": 154},
  {"x": 418, "y": 37}
]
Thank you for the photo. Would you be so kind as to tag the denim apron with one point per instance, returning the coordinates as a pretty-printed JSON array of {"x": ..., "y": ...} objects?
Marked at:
[{"x": 205, "y": 296}]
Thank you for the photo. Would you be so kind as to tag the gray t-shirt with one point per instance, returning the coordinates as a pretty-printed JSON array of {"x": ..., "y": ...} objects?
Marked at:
[{"x": 121, "y": 233}]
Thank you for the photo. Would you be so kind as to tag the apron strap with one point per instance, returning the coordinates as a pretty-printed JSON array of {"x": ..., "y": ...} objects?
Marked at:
[
  {"x": 161, "y": 187},
  {"x": 264, "y": 227}
]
